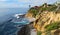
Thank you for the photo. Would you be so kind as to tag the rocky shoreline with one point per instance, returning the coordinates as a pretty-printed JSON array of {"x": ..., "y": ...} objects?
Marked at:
[
  {"x": 45, "y": 15},
  {"x": 25, "y": 30},
  {"x": 44, "y": 18}
]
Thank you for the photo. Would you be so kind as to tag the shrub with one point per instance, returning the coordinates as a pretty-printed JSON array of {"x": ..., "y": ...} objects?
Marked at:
[
  {"x": 53, "y": 26},
  {"x": 34, "y": 11},
  {"x": 39, "y": 32}
]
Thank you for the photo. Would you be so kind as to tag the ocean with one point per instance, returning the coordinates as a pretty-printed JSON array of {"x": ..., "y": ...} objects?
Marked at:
[{"x": 6, "y": 26}]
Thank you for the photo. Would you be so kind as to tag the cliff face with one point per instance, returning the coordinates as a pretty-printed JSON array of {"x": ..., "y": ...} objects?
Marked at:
[
  {"x": 43, "y": 19},
  {"x": 29, "y": 15}
]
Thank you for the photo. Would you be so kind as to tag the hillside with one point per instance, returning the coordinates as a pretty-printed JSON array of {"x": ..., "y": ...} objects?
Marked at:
[{"x": 47, "y": 19}]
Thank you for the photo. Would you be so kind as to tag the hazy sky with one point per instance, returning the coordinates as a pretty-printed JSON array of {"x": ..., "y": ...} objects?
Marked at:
[{"x": 22, "y": 3}]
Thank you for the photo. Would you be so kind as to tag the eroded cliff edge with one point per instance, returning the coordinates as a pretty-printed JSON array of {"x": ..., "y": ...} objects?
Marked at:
[{"x": 47, "y": 18}]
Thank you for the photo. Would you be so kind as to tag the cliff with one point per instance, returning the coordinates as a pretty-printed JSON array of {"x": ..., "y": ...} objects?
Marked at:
[{"x": 47, "y": 18}]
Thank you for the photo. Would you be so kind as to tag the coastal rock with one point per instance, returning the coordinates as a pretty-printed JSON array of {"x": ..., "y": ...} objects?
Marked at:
[
  {"x": 43, "y": 18},
  {"x": 24, "y": 30}
]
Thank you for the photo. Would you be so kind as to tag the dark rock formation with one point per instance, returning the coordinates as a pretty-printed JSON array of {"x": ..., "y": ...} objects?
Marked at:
[{"x": 24, "y": 31}]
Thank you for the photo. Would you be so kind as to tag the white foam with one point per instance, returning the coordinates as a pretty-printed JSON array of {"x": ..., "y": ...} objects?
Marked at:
[{"x": 17, "y": 15}]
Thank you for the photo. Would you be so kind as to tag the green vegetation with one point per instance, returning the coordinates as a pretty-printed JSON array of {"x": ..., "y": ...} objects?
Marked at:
[
  {"x": 53, "y": 26},
  {"x": 44, "y": 7},
  {"x": 39, "y": 33},
  {"x": 53, "y": 8},
  {"x": 48, "y": 7},
  {"x": 34, "y": 11},
  {"x": 48, "y": 33}
]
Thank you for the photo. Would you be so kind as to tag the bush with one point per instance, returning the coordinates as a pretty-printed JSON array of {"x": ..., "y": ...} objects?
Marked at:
[
  {"x": 34, "y": 11},
  {"x": 52, "y": 8},
  {"x": 53, "y": 26},
  {"x": 39, "y": 33}
]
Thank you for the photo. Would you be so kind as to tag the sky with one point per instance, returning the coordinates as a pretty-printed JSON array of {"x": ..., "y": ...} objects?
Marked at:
[{"x": 23, "y": 3}]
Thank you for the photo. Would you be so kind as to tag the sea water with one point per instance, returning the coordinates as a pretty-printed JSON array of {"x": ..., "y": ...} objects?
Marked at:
[{"x": 7, "y": 27}]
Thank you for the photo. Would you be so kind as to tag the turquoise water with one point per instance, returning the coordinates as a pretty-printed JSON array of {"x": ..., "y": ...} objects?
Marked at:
[{"x": 11, "y": 28}]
